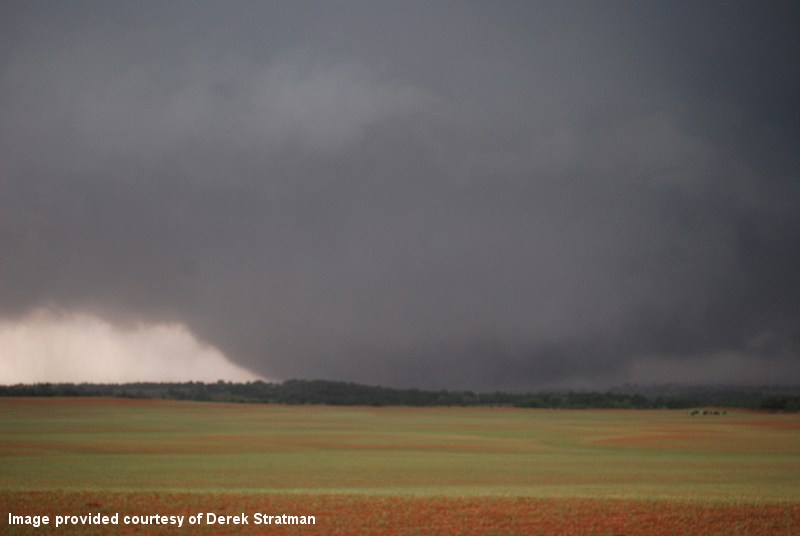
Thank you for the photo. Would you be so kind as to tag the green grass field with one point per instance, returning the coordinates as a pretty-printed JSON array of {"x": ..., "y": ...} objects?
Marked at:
[{"x": 68, "y": 447}]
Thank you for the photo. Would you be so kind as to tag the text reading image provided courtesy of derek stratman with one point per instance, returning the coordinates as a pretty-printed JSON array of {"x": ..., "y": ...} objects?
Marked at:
[{"x": 201, "y": 518}]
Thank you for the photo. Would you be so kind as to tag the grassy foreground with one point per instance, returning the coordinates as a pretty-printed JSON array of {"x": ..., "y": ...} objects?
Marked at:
[{"x": 400, "y": 470}]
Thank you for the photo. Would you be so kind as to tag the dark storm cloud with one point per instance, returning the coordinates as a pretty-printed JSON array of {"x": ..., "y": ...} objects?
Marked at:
[{"x": 452, "y": 195}]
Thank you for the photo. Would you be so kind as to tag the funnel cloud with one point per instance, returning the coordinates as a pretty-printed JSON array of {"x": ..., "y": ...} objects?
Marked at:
[{"x": 419, "y": 194}]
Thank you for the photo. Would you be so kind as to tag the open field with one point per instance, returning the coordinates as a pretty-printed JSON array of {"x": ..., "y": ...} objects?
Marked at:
[{"x": 402, "y": 470}]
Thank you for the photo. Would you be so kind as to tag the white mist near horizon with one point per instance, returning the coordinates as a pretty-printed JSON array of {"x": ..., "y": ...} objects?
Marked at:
[{"x": 76, "y": 347}]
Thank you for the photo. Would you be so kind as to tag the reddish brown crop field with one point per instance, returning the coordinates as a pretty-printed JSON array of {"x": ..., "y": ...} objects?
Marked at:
[{"x": 364, "y": 515}]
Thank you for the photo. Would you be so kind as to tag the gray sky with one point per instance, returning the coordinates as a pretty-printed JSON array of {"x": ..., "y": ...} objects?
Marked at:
[{"x": 460, "y": 195}]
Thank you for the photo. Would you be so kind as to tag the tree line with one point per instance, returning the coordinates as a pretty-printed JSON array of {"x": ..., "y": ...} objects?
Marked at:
[{"x": 353, "y": 394}]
